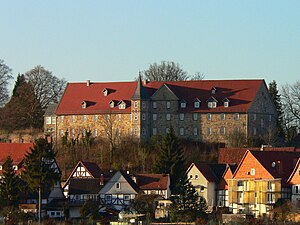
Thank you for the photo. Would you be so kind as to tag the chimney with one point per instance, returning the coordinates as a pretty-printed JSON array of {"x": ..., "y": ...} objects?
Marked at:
[{"x": 88, "y": 82}]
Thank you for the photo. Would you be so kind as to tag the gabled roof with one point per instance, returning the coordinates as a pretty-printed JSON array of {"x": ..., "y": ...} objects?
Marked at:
[
  {"x": 17, "y": 151},
  {"x": 279, "y": 164},
  {"x": 130, "y": 181},
  {"x": 91, "y": 167},
  {"x": 296, "y": 167},
  {"x": 84, "y": 186},
  {"x": 152, "y": 181},
  {"x": 211, "y": 171},
  {"x": 212, "y": 99},
  {"x": 240, "y": 92}
]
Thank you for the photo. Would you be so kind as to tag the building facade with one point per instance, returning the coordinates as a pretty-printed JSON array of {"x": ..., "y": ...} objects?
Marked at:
[{"x": 205, "y": 110}]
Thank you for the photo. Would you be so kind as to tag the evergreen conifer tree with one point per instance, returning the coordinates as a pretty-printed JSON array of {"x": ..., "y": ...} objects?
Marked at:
[
  {"x": 9, "y": 185},
  {"x": 171, "y": 160}
]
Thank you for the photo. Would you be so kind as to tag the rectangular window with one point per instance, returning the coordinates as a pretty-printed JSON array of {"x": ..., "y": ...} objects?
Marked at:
[
  {"x": 143, "y": 116},
  {"x": 136, "y": 104},
  {"x": 154, "y": 116},
  {"x": 252, "y": 172},
  {"x": 181, "y": 116},
  {"x": 154, "y": 131},
  {"x": 226, "y": 104},
  {"x": 73, "y": 118},
  {"x": 195, "y": 116},
  {"x": 212, "y": 104},
  {"x": 154, "y": 105},
  {"x": 84, "y": 117},
  {"x": 61, "y": 119},
  {"x": 118, "y": 185},
  {"x": 143, "y": 105},
  {"x": 209, "y": 117},
  {"x": 254, "y": 116},
  {"x": 168, "y": 105},
  {"x": 196, "y": 104},
  {"x": 168, "y": 116},
  {"x": 240, "y": 183},
  {"x": 53, "y": 120},
  {"x": 61, "y": 132},
  {"x": 236, "y": 116},
  {"x": 296, "y": 189},
  {"x": 143, "y": 131},
  {"x": 135, "y": 116},
  {"x": 83, "y": 132},
  {"x": 183, "y": 105},
  {"x": 270, "y": 118},
  {"x": 222, "y": 130},
  {"x": 209, "y": 131},
  {"x": 181, "y": 131},
  {"x": 119, "y": 117},
  {"x": 73, "y": 132},
  {"x": 135, "y": 131},
  {"x": 191, "y": 177},
  {"x": 48, "y": 120},
  {"x": 254, "y": 130},
  {"x": 95, "y": 118},
  {"x": 126, "y": 197},
  {"x": 195, "y": 131},
  {"x": 222, "y": 116},
  {"x": 95, "y": 132}
]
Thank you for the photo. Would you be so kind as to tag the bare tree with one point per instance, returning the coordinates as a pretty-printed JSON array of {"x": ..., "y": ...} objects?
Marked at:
[
  {"x": 47, "y": 87},
  {"x": 5, "y": 76},
  {"x": 166, "y": 71},
  {"x": 291, "y": 108}
]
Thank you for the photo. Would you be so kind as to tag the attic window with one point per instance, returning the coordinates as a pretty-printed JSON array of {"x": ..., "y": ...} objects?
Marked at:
[
  {"x": 212, "y": 102},
  {"x": 197, "y": 104},
  {"x": 183, "y": 104},
  {"x": 122, "y": 105},
  {"x": 83, "y": 104},
  {"x": 15, "y": 167},
  {"x": 111, "y": 104},
  {"x": 105, "y": 92},
  {"x": 213, "y": 90},
  {"x": 226, "y": 102},
  {"x": 273, "y": 164},
  {"x": 118, "y": 185}
]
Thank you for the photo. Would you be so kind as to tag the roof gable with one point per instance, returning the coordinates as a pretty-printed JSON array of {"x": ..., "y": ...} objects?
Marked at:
[
  {"x": 164, "y": 93},
  {"x": 295, "y": 175},
  {"x": 126, "y": 185}
]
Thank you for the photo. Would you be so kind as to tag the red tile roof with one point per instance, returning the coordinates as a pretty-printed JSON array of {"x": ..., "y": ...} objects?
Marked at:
[
  {"x": 17, "y": 151},
  {"x": 235, "y": 155},
  {"x": 152, "y": 181},
  {"x": 240, "y": 93}
]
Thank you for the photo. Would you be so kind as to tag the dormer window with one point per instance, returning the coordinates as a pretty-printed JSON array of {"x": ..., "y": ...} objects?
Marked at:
[
  {"x": 183, "y": 104},
  {"x": 15, "y": 167},
  {"x": 226, "y": 102},
  {"x": 122, "y": 105},
  {"x": 197, "y": 103},
  {"x": 112, "y": 104},
  {"x": 212, "y": 102},
  {"x": 213, "y": 90},
  {"x": 105, "y": 92},
  {"x": 83, "y": 105}
]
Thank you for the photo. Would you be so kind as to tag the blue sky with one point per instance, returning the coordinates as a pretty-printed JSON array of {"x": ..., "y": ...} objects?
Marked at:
[{"x": 113, "y": 40}]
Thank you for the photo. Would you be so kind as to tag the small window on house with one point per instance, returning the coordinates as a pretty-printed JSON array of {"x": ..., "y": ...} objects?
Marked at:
[
  {"x": 53, "y": 120},
  {"x": 126, "y": 197},
  {"x": 122, "y": 105},
  {"x": 136, "y": 116},
  {"x": 118, "y": 185},
  {"x": 222, "y": 130},
  {"x": 168, "y": 105},
  {"x": 261, "y": 123},
  {"x": 226, "y": 104},
  {"x": 252, "y": 172},
  {"x": 167, "y": 130},
  {"x": 181, "y": 116},
  {"x": 196, "y": 104},
  {"x": 222, "y": 116},
  {"x": 209, "y": 117},
  {"x": 135, "y": 131},
  {"x": 183, "y": 105},
  {"x": 254, "y": 130},
  {"x": 209, "y": 131},
  {"x": 191, "y": 177},
  {"x": 236, "y": 116},
  {"x": 154, "y": 131},
  {"x": 254, "y": 116},
  {"x": 84, "y": 118},
  {"x": 296, "y": 189},
  {"x": 270, "y": 118},
  {"x": 48, "y": 120},
  {"x": 95, "y": 132},
  {"x": 196, "y": 177},
  {"x": 112, "y": 104},
  {"x": 154, "y": 105},
  {"x": 95, "y": 118},
  {"x": 61, "y": 132},
  {"x": 143, "y": 105},
  {"x": 143, "y": 116},
  {"x": 136, "y": 104},
  {"x": 61, "y": 119},
  {"x": 119, "y": 117},
  {"x": 213, "y": 90},
  {"x": 195, "y": 116},
  {"x": 83, "y": 105},
  {"x": 154, "y": 116},
  {"x": 181, "y": 131},
  {"x": 211, "y": 104},
  {"x": 240, "y": 183},
  {"x": 108, "y": 197},
  {"x": 83, "y": 132},
  {"x": 143, "y": 131},
  {"x": 202, "y": 188},
  {"x": 15, "y": 167},
  {"x": 168, "y": 116},
  {"x": 195, "y": 131},
  {"x": 105, "y": 92}
]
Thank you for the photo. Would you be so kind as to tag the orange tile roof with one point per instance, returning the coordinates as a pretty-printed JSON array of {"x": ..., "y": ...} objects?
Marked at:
[
  {"x": 240, "y": 93},
  {"x": 152, "y": 181},
  {"x": 17, "y": 151}
]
